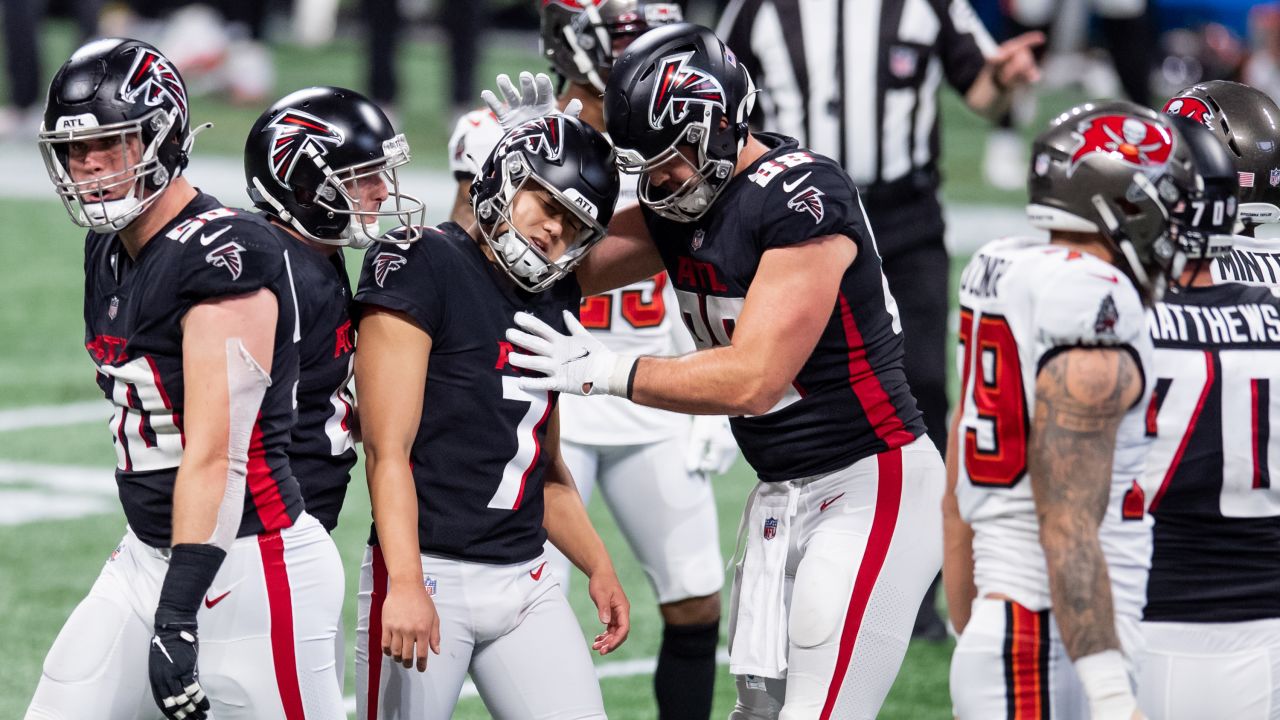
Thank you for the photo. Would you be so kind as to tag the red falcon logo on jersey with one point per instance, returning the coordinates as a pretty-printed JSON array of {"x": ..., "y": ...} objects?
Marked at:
[
  {"x": 679, "y": 86},
  {"x": 228, "y": 256},
  {"x": 385, "y": 264},
  {"x": 544, "y": 136},
  {"x": 808, "y": 200},
  {"x": 1190, "y": 107},
  {"x": 153, "y": 78},
  {"x": 1136, "y": 141},
  {"x": 297, "y": 132}
]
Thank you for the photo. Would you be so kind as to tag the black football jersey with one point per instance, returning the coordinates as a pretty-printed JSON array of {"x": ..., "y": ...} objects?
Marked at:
[
  {"x": 850, "y": 399},
  {"x": 133, "y": 310},
  {"x": 477, "y": 458},
  {"x": 1215, "y": 498},
  {"x": 322, "y": 451}
]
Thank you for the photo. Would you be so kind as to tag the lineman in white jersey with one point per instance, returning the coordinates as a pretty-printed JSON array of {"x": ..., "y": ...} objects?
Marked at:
[
  {"x": 653, "y": 466},
  {"x": 1047, "y": 536},
  {"x": 1212, "y": 621}
]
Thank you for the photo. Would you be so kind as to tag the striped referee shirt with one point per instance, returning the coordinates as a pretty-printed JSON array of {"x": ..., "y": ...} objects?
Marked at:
[{"x": 857, "y": 80}]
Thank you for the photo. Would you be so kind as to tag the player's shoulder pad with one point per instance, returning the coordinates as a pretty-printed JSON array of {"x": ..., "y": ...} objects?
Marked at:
[
  {"x": 227, "y": 251},
  {"x": 1082, "y": 300},
  {"x": 802, "y": 195},
  {"x": 389, "y": 265},
  {"x": 475, "y": 135}
]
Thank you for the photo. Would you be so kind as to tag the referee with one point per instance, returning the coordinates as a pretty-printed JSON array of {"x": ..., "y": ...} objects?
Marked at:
[{"x": 857, "y": 80}]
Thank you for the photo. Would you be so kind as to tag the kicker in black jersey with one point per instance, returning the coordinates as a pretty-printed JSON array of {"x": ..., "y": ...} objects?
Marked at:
[
  {"x": 133, "y": 314},
  {"x": 850, "y": 399},
  {"x": 477, "y": 458},
  {"x": 1215, "y": 467},
  {"x": 322, "y": 450}
]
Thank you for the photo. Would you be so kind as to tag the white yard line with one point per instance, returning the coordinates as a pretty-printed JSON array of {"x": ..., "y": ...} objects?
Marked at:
[{"x": 38, "y": 416}]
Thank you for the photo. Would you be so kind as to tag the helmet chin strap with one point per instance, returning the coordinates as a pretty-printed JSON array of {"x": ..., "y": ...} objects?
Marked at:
[{"x": 580, "y": 59}]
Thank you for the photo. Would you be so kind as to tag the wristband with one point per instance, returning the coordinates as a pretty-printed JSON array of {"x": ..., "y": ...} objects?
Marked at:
[
  {"x": 1106, "y": 683},
  {"x": 192, "y": 567},
  {"x": 622, "y": 377}
]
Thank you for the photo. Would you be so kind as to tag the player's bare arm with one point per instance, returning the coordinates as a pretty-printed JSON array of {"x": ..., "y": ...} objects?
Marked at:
[
  {"x": 570, "y": 530},
  {"x": 957, "y": 539},
  {"x": 1081, "y": 396},
  {"x": 625, "y": 256},
  {"x": 391, "y": 373},
  {"x": 201, "y": 484}
]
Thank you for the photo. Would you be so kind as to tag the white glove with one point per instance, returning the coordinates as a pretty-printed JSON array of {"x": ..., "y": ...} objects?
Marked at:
[
  {"x": 712, "y": 448},
  {"x": 535, "y": 98},
  {"x": 576, "y": 363}
]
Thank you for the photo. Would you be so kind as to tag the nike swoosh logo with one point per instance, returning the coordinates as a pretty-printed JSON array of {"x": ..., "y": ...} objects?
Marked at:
[
  {"x": 210, "y": 603},
  {"x": 578, "y": 357},
  {"x": 788, "y": 187},
  {"x": 827, "y": 503},
  {"x": 207, "y": 239},
  {"x": 1108, "y": 278},
  {"x": 536, "y": 574}
]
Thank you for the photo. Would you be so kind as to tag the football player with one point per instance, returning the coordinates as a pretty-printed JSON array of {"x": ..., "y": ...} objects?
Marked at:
[
  {"x": 1212, "y": 621},
  {"x": 779, "y": 281},
  {"x": 652, "y": 466},
  {"x": 1047, "y": 536},
  {"x": 191, "y": 322},
  {"x": 1247, "y": 121},
  {"x": 464, "y": 466}
]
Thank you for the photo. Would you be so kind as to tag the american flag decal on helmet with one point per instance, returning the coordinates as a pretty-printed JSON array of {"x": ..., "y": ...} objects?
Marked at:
[
  {"x": 153, "y": 78},
  {"x": 296, "y": 131},
  {"x": 677, "y": 87}
]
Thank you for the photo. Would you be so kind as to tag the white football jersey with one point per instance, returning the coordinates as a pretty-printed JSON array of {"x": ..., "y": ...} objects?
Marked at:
[
  {"x": 639, "y": 319},
  {"x": 1021, "y": 301},
  {"x": 1250, "y": 262}
]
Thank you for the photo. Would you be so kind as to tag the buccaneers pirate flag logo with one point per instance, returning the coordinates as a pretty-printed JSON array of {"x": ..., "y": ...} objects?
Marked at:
[{"x": 1134, "y": 140}]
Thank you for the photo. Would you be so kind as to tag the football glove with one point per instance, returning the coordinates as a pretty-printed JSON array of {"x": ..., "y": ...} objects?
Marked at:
[
  {"x": 175, "y": 682},
  {"x": 712, "y": 448},
  {"x": 576, "y": 363},
  {"x": 534, "y": 98}
]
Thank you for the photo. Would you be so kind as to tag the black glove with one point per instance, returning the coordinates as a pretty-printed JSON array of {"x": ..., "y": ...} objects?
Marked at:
[{"x": 175, "y": 679}]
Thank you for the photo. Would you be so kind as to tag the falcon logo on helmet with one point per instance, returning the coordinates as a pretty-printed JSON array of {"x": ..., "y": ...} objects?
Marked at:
[
  {"x": 1136, "y": 141},
  {"x": 808, "y": 200},
  {"x": 385, "y": 264},
  {"x": 679, "y": 86},
  {"x": 228, "y": 256},
  {"x": 544, "y": 136},
  {"x": 295, "y": 132},
  {"x": 1191, "y": 107},
  {"x": 153, "y": 78}
]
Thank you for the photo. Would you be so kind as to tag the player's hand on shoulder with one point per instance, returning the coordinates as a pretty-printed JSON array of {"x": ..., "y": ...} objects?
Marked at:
[
  {"x": 410, "y": 625},
  {"x": 614, "y": 610}
]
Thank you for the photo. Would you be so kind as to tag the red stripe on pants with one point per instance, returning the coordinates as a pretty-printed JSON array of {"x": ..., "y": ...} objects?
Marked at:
[
  {"x": 376, "y": 598},
  {"x": 1028, "y": 675},
  {"x": 888, "y": 500},
  {"x": 280, "y": 602}
]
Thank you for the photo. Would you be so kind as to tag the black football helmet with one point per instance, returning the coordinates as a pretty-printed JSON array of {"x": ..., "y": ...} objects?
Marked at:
[
  {"x": 579, "y": 37},
  {"x": 1204, "y": 214},
  {"x": 305, "y": 155},
  {"x": 567, "y": 158},
  {"x": 1110, "y": 168},
  {"x": 674, "y": 86},
  {"x": 125, "y": 92},
  {"x": 1247, "y": 121}
]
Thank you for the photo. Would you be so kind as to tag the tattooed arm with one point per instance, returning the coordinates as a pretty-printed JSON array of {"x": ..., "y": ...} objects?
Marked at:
[{"x": 1081, "y": 396}]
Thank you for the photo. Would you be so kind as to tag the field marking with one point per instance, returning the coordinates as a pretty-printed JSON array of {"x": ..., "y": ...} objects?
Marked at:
[
  {"x": 30, "y": 492},
  {"x": 39, "y": 416},
  {"x": 604, "y": 671}
]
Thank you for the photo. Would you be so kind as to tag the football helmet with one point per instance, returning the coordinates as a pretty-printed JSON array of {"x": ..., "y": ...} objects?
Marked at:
[
  {"x": 673, "y": 87},
  {"x": 579, "y": 37},
  {"x": 1109, "y": 168},
  {"x": 1203, "y": 217},
  {"x": 125, "y": 93},
  {"x": 1247, "y": 121},
  {"x": 307, "y": 153},
  {"x": 570, "y": 160}
]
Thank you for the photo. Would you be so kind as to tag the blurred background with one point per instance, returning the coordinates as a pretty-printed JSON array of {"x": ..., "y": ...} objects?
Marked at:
[{"x": 425, "y": 61}]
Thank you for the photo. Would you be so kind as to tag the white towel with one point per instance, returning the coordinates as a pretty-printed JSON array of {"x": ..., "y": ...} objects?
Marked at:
[{"x": 759, "y": 643}]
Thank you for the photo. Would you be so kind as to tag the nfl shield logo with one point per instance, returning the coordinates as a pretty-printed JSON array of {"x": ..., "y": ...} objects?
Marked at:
[
  {"x": 902, "y": 62},
  {"x": 114, "y": 309},
  {"x": 770, "y": 528},
  {"x": 1275, "y": 177},
  {"x": 698, "y": 236},
  {"x": 430, "y": 584}
]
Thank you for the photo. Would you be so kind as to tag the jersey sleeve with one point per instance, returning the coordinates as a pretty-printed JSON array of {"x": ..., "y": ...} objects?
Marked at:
[
  {"x": 808, "y": 201},
  {"x": 233, "y": 255},
  {"x": 963, "y": 43},
  {"x": 1090, "y": 305},
  {"x": 405, "y": 278},
  {"x": 474, "y": 137}
]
